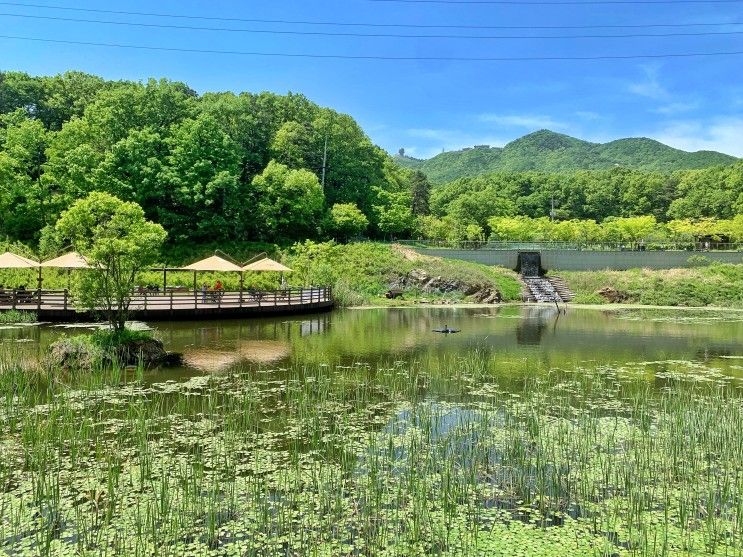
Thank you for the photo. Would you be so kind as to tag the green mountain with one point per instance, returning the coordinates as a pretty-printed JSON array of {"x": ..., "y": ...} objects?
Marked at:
[{"x": 548, "y": 151}]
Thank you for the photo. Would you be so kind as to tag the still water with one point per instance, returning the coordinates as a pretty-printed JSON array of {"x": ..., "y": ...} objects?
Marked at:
[
  {"x": 508, "y": 333},
  {"x": 612, "y": 432}
]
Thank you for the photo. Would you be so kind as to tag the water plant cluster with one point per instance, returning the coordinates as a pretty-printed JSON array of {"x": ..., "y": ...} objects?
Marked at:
[
  {"x": 14, "y": 316},
  {"x": 450, "y": 456}
]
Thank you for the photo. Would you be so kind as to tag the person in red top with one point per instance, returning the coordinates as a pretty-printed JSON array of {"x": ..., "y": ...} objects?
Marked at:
[{"x": 218, "y": 285}]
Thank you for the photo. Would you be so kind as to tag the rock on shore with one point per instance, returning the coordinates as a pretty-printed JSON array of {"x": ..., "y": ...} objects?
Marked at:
[
  {"x": 75, "y": 353},
  {"x": 418, "y": 278}
]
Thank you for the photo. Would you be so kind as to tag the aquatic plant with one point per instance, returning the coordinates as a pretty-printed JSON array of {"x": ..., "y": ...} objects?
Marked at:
[
  {"x": 13, "y": 316},
  {"x": 451, "y": 456}
]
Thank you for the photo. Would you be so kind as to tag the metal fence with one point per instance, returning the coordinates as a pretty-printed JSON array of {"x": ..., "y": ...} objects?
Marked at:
[{"x": 578, "y": 246}]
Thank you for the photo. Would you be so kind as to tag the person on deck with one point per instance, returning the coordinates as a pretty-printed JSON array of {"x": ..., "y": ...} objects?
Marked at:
[
  {"x": 204, "y": 288},
  {"x": 218, "y": 291}
]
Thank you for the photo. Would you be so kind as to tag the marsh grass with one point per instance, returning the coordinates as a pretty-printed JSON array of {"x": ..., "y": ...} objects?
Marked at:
[
  {"x": 13, "y": 316},
  {"x": 434, "y": 457}
]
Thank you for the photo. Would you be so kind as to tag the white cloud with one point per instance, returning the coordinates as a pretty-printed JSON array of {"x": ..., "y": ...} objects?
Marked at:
[
  {"x": 527, "y": 121},
  {"x": 676, "y": 108},
  {"x": 650, "y": 86},
  {"x": 436, "y": 139},
  {"x": 720, "y": 134},
  {"x": 588, "y": 115}
]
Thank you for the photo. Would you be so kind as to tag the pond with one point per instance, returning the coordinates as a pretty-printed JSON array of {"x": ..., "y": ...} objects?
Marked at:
[
  {"x": 371, "y": 336},
  {"x": 363, "y": 432}
]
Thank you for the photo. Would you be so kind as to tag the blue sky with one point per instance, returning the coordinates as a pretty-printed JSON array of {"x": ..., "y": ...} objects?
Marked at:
[{"x": 428, "y": 106}]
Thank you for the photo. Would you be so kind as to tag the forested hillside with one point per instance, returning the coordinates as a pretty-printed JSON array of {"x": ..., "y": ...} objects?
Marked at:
[
  {"x": 211, "y": 167},
  {"x": 224, "y": 168},
  {"x": 547, "y": 151}
]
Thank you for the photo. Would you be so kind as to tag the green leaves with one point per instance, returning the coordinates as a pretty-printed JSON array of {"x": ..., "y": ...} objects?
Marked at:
[
  {"x": 289, "y": 202},
  {"x": 118, "y": 241},
  {"x": 347, "y": 221}
]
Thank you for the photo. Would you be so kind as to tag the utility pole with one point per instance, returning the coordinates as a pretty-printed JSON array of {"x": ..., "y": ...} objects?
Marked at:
[
  {"x": 324, "y": 162},
  {"x": 552, "y": 211}
]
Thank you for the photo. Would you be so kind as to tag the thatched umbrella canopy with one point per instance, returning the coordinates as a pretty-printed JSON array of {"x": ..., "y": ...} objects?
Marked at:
[
  {"x": 213, "y": 263},
  {"x": 266, "y": 265},
  {"x": 10, "y": 260},
  {"x": 70, "y": 260}
]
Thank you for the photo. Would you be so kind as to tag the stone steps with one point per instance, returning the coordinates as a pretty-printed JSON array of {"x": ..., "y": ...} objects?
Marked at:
[
  {"x": 562, "y": 288},
  {"x": 545, "y": 290},
  {"x": 541, "y": 289}
]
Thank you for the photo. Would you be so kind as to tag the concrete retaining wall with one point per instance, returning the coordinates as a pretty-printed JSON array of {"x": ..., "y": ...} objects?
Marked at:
[{"x": 578, "y": 260}]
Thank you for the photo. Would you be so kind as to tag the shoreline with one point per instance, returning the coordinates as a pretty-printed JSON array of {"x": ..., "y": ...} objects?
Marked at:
[{"x": 608, "y": 307}]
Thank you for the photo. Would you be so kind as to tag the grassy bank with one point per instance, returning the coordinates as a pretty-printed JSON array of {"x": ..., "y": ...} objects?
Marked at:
[
  {"x": 713, "y": 285},
  {"x": 361, "y": 273}
]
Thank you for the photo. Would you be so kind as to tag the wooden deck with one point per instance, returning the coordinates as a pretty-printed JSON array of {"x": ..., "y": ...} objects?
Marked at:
[{"x": 58, "y": 305}]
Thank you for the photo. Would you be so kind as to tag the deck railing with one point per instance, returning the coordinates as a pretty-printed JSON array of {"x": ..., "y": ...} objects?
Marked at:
[{"x": 174, "y": 299}]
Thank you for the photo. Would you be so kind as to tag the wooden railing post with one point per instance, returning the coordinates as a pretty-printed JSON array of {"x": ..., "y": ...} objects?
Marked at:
[
  {"x": 290, "y": 297},
  {"x": 171, "y": 300},
  {"x": 145, "y": 300},
  {"x": 64, "y": 303},
  {"x": 13, "y": 299}
]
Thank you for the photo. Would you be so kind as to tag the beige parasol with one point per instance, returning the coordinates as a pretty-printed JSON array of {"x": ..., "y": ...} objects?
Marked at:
[
  {"x": 12, "y": 261},
  {"x": 213, "y": 263},
  {"x": 266, "y": 265},
  {"x": 71, "y": 260}
]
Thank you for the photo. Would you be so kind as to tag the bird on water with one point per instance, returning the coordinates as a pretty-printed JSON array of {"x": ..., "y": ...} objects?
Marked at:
[{"x": 446, "y": 330}]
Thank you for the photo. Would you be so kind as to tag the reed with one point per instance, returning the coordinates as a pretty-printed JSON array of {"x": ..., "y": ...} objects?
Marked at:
[{"x": 429, "y": 457}]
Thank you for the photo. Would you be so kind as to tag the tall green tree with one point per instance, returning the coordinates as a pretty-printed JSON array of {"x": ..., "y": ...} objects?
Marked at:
[
  {"x": 25, "y": 199},
  {"x": 420, "y": 191},
  {"x": 289, "y": 202},
  {"x": 347, "y": 221},
  {"x": 199, "y": 189},
  {"x": 119, "y": 242}
]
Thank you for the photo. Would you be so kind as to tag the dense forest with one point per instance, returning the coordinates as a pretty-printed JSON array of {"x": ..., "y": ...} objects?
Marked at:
[
  {"x": 547, "y": 151},
  {"x": 230, "y": 168},
  {"x": 211, "y": 167}
]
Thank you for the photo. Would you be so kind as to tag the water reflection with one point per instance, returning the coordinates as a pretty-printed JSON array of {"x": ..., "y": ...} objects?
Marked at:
[
  {"x": 535, "y": 320},
  {"x": 508, "y": 333}
]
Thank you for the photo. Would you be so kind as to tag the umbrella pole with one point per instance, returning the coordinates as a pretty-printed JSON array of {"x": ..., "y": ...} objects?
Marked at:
[
  {"x": 69, "y": 280},
  {"x": 38, "y": 301}
]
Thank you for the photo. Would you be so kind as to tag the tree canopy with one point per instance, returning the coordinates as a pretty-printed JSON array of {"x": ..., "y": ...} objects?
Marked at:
[
  {"x": 118, "y": 241},
  {"x": 224, "y": 167},
  {"x": 212, "y": 167}
]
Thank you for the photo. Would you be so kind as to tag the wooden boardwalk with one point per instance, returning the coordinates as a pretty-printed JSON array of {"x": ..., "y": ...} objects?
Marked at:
[{"x": 58, "y": 305}]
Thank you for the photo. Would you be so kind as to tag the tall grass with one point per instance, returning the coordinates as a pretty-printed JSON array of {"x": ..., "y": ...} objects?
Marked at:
[
  {"x": 434, "y": 457},
  {"x": 718, "y": 284},
  {"x": 13, "y": 316}
]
